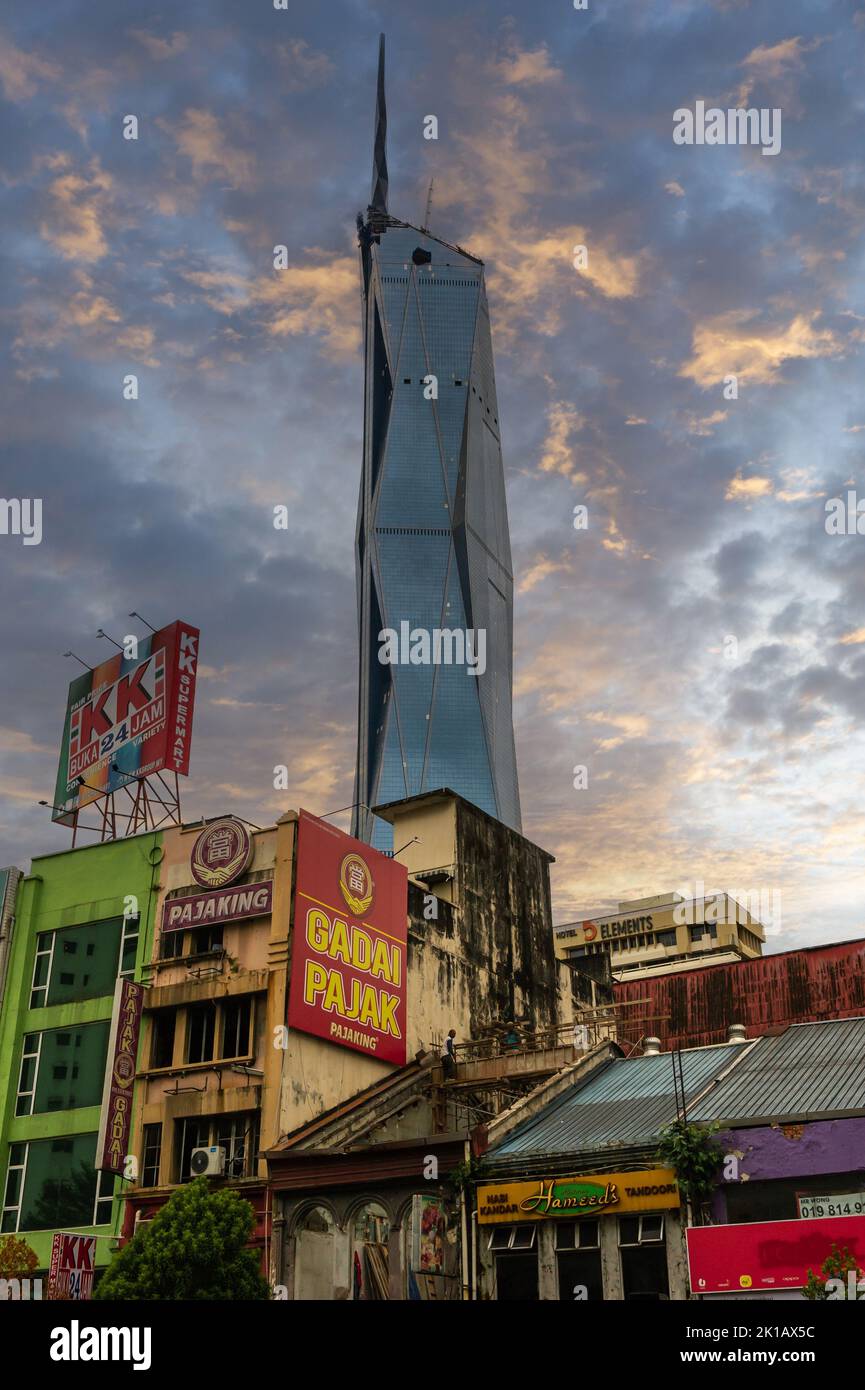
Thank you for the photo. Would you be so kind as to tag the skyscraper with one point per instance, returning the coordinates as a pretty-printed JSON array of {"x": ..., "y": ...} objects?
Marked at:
[{"x": 433, "y": 548}]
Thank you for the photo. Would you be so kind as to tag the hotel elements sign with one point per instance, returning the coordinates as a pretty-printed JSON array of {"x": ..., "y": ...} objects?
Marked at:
[{"x": 599, "y": 1194}]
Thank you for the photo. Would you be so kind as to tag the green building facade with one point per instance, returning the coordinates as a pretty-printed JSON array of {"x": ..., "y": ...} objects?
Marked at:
[{"x": 82, "y": 919}]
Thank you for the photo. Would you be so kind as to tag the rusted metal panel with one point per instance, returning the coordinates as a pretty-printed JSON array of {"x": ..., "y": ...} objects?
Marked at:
[{"x": 804, "y": 986}]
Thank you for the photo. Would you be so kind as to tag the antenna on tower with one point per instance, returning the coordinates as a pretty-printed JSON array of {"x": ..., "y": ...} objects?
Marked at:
[
  {"x": 426, "y": 216},
  {"x": 378, "y": 195}
]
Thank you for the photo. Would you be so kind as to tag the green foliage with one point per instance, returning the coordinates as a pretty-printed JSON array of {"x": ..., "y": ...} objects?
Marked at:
[
  {"x": 194, "y": 1249},
  {"x": 836, "y": 1266},
  {"x": 17, "y": 1259},
  {"x": 692, "y": 1152},
  {"x": 464, "y": 1174}
]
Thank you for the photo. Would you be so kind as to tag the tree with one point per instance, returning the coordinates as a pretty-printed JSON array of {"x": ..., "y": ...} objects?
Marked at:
[
  {"x": 17, "y": 1259},
  {"x": 196, "y": 1248},
  {"x": 691, "y": 1150},
  {"x": 833, "y": 1280}
]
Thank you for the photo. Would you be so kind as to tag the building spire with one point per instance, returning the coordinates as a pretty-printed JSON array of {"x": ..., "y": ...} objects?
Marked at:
[{"x": 378, "y": 197}]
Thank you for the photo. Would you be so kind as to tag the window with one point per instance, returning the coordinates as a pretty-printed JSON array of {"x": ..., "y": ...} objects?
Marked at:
[
  {"x": 170, "y": 945},
  {"x": 14, "y": 1186},
  {"x": 205, "y": 940},
  {"x": 666, "y": 938},
  {"x": 516, "y": 1263},
  {"x": 27, "y": 1074},
  {"x": 152, "y": 1155},
  {"x": 193, "y": 1134},
  {"x": 51, "y": 1185},
  {"x": 103, "y": 1205},
  {"x": 640, "y": 1230},
  {"x": 200, "y": 1031},
  {"x": 703, "y": 931},
  {"x": 51, "y": 1078},
  {"x": 81, "y": 962},
  {"x": 578, "y": 1257},
  {"x": 513, "y": 1238},
  {"x": 236, "y": 1134},
  {"x": 162, "y": 1038},
  {"x": 42, "y": 969},
  {"x": 236, "y": 1016},
  {"x": 577, "y": 1235},
  {"x": 128, "y": 945},
  {"x": 643, "y": 1255}
]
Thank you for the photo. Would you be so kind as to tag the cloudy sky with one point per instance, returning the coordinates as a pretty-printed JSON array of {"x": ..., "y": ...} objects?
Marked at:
[{"x": 700, "y": 647}]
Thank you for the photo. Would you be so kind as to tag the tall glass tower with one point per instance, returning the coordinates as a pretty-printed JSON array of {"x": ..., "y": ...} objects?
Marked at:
[{"x": 433, "y": 548}]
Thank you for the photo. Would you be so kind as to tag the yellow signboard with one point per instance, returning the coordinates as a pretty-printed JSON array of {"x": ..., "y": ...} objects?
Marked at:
[{"x": 649, "y": 1189}]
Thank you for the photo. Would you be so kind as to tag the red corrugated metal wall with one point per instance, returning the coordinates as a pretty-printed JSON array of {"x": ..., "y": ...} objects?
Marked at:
[{"x": 793, "y": 987}]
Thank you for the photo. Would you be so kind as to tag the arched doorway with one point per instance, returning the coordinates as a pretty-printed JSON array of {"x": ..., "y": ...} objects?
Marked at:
[
  {"x": 370, "y": 1261},
  {"x": 314, "y": 1252}
]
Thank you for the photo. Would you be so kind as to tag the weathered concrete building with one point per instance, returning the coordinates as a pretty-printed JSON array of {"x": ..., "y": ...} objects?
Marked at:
[{"x": 220, "y": 1068}]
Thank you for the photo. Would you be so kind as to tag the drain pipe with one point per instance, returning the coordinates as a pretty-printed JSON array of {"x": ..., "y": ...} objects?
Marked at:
[{"x": 464, "y": 1242}]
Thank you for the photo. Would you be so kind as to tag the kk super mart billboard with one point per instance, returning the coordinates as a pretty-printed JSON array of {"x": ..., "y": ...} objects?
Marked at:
[
  {"x": 128, "y": 718},
  {"x": 348, "y": 964}
]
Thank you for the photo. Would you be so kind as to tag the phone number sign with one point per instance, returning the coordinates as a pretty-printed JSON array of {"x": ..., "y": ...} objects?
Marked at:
[{"x": 845, "y": 1204}]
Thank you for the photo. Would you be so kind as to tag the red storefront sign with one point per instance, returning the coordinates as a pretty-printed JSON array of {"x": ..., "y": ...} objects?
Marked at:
[
  {"x": 113, "y": 1140},
  {"x": 349, "y": 943},
  {"x": 70, "y": 1273},
  {"x": 768, "y": 1254}
]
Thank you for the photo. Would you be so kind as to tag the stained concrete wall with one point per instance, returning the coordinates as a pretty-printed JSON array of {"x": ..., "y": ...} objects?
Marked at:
[{"x": 483, "y": 957}]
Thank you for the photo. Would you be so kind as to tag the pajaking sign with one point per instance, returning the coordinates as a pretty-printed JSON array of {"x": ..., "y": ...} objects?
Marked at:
[{"x": 652, "y": 1189}]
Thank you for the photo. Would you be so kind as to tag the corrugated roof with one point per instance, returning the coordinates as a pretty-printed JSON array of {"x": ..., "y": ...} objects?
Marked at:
[
  {"x": 627, "y": 1103},
  {"x": 810, "y": 1071}
]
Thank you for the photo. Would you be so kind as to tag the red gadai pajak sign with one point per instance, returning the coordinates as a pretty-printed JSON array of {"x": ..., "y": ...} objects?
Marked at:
[{"x": 349, "y": 943}]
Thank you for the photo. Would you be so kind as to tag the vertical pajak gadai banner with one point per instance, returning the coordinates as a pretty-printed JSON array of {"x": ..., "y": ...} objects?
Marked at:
[
  {"x": 348, "y": 964},
  {"x": 113, "y": 1140},
  {"x": 128, "y": 718}
]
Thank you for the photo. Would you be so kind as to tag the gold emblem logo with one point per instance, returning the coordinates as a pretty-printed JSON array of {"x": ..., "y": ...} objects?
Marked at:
[{"x": 356, "y": 885}]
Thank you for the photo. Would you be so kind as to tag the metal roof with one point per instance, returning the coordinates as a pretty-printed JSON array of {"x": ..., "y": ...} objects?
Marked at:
[
  {"x": 628, "y": 1102},
  {"x": 811, "y": 1071}
]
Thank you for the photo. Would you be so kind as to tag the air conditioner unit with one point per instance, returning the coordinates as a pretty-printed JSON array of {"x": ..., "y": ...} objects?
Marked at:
[{"x": 207, "y": 1162}]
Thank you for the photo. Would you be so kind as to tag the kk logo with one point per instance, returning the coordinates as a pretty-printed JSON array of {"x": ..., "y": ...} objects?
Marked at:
[{"x": 356, "y": 885}]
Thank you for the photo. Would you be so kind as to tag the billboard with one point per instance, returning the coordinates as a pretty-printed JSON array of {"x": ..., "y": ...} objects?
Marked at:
[
  {"x": 70, "y": 1273},
  {"x": 765, "y": 1255},
  {"x": 349, "y": 944},
  {"x": 128, "y": 718},
  {"x": 116, "y": 1119}
]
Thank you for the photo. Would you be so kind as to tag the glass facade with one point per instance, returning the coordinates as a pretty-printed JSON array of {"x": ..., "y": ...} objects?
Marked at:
[{"x": 433, "y": 547}]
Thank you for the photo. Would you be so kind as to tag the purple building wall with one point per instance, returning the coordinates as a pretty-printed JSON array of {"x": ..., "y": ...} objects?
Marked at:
[{"x": 793, "y": 1151}]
